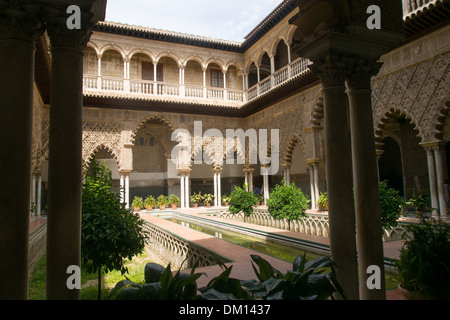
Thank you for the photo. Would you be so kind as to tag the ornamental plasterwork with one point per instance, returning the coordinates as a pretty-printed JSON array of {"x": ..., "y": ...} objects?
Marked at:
[
  {"x": 102, "y": 134},
  {"x": 419, "y": 93}
]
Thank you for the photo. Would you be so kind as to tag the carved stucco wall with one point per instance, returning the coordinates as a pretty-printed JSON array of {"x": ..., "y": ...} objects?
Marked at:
[{"x": 414, "y": 83}]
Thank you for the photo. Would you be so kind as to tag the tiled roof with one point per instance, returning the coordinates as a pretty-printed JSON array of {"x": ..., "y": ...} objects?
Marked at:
[{"x": 278, "y": 14}]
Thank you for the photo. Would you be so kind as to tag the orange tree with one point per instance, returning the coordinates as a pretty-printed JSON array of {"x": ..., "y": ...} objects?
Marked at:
[{"x": 110, "y": 233}]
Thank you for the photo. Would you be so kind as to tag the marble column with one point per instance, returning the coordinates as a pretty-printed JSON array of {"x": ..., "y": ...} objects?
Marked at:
[
  {"x": 440, "y": 181},
  {"x": 33, "y": 194},
  {"x": 18, "y": 31},
  {"x": 122, "y": 187},
  {"x": 246, "y": 180},
  {"x": 365, "y": 176},
  {"x": 65, "y": 152},
  {"x": 316, "y": 180},
  {"x": 250, "y": 178},
  {"x": 39, "y": 195},
  {"x": 99, "y": 72},
  {"x": 287, "y": 173},
  {"x": 339, "y": 173},
  {"x": 432, "y": 181},
  {"x": 187, "y": 193},
  {"x": 313, "y": 190},
  {"x": 182, "y": 191},
  {"x": 219, "y": 188},
  {"x": 215, "y": 188},
  {"x": 127, "y": 190},
  {"x": 264, "y": 171}
]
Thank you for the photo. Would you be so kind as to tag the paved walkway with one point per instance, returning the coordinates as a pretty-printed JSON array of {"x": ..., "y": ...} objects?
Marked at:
[{"x": 240, "y": 256}]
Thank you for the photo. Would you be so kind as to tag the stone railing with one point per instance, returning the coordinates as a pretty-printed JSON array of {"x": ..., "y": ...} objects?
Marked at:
[
  {"x": 312, "y": 224},
  {"x": 178, "y": 252},
  {"x": 413, "y": 6},
  {"x": 147, "y": 88},
  {"x": 37, "y": 246},
  {"x": 292, "y": 70}
]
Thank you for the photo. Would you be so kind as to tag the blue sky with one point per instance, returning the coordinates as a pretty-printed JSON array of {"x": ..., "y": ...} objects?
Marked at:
[{"x": 222, "y": 19}]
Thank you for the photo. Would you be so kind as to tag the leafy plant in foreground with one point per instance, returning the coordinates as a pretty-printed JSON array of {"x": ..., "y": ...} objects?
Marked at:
[
  {"x": 110, "y": 233},
  {"x": 160, "y": 284}
]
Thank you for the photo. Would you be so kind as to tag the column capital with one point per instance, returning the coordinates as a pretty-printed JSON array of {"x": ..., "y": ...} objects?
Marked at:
[
  {"x": 20, "y": 21},
  {"x": 313, "y": 161},
  {"x": 331, "y": 69},
  {"x": 286, "y": 165},
  {"x": 125, "y": 172},
  {"x": 217, "y": 170},
  {"x": 360, "y": 72},
  {"x": 63, "y": 37},
  {"x": 434, "y": 145}
]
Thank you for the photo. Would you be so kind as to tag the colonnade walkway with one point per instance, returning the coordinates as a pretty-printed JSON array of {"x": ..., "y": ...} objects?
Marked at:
[{"x": 240, "y": 256}]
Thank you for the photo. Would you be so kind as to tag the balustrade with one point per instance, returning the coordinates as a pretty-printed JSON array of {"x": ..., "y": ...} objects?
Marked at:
[
  {"x": 152, "y": 88},
  {"x": 179, "y": 253},
  {"x": 312, "y": 224},
  {"x": 411, "y": 6}
]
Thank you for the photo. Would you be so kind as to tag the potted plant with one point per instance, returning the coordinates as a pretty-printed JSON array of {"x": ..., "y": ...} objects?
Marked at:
[
  {"x": 226, "y": 199},
  {"x": 149, "y": 203},
  {"x": 162, "y": 202},
  {"x": 242, "y": 201},
  {"x": 287, "y": 202},
  {"x": 424, "y": 263},
  {"x": 323, "y": 201},
  {"x": 174, "y": 201},
  {"x": 137, "y": 203},
  {"x": 196, "y": 199},
  {"x": 208, "y": 199},
  {"x": 420, "y": 204}
]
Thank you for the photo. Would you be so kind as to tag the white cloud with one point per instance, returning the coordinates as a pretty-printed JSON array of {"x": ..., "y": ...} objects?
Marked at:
[{"x": 225, "y": 19}]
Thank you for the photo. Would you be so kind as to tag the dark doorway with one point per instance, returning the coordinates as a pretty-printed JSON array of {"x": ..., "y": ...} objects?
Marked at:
[{"x": 391, "y": 165}]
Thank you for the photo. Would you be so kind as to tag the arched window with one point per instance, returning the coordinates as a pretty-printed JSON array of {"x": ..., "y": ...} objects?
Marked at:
[
  {"x": 152, "y": 142},
  {"x": 141, "y": 141}
]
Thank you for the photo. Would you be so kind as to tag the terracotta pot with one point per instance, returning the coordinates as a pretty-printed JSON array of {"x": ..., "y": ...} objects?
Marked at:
[
  {"x": 195, "y": 205},
  {"x": 162, "y": 207},
  {"x": 226, "y": 204},
  {"x": 174, "y": 206},
  {"x": 208, "y": 205},
  {"x": 408, "y": 295},
  {"x": 149, "y": 208},
  {"x": 137, "y": 209}
]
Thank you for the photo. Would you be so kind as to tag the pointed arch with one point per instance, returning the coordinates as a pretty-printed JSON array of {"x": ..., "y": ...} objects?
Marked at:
[
  {"x": 196, "y": 58},
  {"x": 391, "y": 114},
  {"x": 293, "y": 142},
  {"x": 90, "y": 154},
  {"x": 317, "y": 115},
  {"x": 113, "y": 47},
  {"x": 147, "y": 119},
  {"x": 145, "y": 52}
]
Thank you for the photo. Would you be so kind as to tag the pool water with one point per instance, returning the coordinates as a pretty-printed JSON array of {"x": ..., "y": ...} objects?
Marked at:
[{"x": 269, "y": 248}]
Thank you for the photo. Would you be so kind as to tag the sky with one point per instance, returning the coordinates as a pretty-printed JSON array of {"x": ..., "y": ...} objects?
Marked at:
[{"x": 221, "y": 19}]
